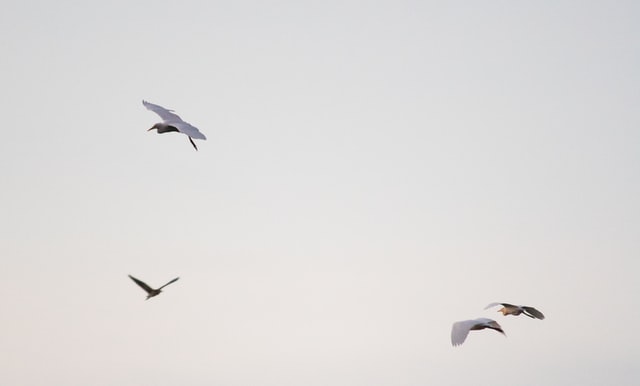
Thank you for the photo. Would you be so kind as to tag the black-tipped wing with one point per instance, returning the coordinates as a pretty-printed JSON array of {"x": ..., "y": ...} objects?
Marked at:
[
  {"x": 169, "y": 283},
  {"x": 533, "y": 312},
  {"x": 495, "y": 326},
  {"x": 142, "y": 284},
  {"x": 460, "y": 330}
]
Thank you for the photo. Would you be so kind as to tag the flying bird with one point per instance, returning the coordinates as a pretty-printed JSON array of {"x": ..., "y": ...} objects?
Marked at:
[
  {"x": 461, "y": 329},
  {"x": 510, "y": 309},
  {"x": 172, "y": 122},
  {"x": 150, "y": 291}
]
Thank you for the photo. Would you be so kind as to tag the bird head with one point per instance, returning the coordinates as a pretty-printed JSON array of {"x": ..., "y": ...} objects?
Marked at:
[{"x": 154, "y": 127}]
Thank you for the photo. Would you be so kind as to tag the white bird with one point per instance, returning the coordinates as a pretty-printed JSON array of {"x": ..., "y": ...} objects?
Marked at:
[
  {"x": 150, "y": 291},
  {"x": 510, "y": 309},
  {"x": 461, "y": 329},
  {"x": 172, "y": 122}
]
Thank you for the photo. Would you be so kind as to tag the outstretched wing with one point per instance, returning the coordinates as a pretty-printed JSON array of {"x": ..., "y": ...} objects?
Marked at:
[
  {"x": 460, "y": 330},
  {"x": 188, "y": 129},
  {"x": 492, "y": 324},
  {"x": 166, "y": 114},
  {"x": 494, "y": 304},
  {"x": 142, "y": 284},
  {"x": 169, "y": 283},
  {"x": 535, "y": 313}
]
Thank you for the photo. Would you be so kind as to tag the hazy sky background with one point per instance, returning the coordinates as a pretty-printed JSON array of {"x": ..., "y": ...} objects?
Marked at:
[{"x": 374, "y": 171}]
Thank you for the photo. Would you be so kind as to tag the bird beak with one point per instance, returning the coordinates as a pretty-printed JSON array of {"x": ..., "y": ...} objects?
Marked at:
[{"x": 151, "y": 129}]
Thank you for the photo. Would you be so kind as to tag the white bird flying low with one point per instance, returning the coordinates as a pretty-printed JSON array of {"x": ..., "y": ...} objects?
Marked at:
[
  {"x": 150, "y": 291},
  {"x": 172, "y": 122},
  {"x": 461, "y": 329},
  {"x": 510, "y": 309}
]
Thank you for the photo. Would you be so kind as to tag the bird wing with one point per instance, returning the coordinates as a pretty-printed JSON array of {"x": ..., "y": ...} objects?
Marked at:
[
  {"x": 494, "y": 325},
  {"x": 169, "y": 283},
  {"x": 535, "y": 313},
  {"x": 188, "y": 129},
  {"x": 506, "y": 305},
  {"x": 460, "y": 330},
  {"x": 142, "y": 284},
  {"x": 166, "y": 114}
]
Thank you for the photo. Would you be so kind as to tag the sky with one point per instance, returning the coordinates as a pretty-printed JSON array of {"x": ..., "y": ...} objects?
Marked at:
[{"x": 373, "y": 172}]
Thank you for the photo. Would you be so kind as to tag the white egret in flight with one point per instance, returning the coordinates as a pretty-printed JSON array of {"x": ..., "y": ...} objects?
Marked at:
[
  {"x": 172, "y": 122},
  {"x": 510, "y": 309},
  {"x": 150, "y": 291},
  {"x": 461, "y": 329}
]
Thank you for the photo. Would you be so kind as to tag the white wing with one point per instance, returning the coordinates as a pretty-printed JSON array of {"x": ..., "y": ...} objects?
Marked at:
[
  {"x": 493, "y": 305},
  {"x": 188, "y": 129},
  {"x": 169, "y": 117},
  {"x": 166, "y": 115},
  {"x": 485, "y": 321},
  {"x": 460, "y": 330}
]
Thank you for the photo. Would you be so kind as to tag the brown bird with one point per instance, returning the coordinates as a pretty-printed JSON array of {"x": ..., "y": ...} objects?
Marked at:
[
  {"x": 510, "y": 309},
  {"x": 150, "y": 291},
  {"x": 461, "y": 329}
]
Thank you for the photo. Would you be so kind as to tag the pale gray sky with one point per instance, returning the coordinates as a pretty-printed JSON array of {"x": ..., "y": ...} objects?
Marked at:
[{"x": 374, "y": 171}]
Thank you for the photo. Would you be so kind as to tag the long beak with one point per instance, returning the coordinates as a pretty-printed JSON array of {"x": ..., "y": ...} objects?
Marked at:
[{"x": 151, "y": 129}]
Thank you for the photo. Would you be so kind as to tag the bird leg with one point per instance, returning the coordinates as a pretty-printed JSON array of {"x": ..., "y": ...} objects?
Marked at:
[{"x": 194, "y": 145}]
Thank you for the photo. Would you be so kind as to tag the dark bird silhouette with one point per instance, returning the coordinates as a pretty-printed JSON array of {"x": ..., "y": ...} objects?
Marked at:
[
  {"x": 150, "y": 291},
  {"x": 461, "y": 329},
  {"x": 172, "y": 122},
  {"x": 510, "y": 309}
]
